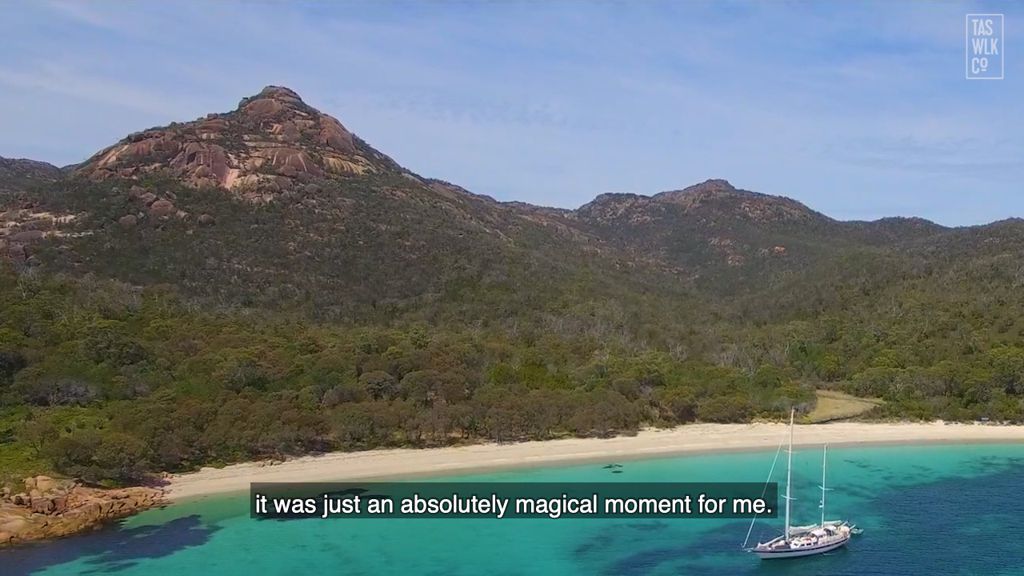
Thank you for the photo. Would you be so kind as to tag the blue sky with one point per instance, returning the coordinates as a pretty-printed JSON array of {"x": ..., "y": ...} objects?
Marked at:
[{"x": 858, "y": 109}]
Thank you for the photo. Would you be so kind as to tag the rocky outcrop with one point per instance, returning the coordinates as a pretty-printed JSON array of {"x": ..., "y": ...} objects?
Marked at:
[
  {"x": 162, "y": 208},
  {"x": 53, "y": 508},
  {"x": 23, "y": 229},
  {"x": 27, "y": 236},
  {"x": 272, "y": 142}
]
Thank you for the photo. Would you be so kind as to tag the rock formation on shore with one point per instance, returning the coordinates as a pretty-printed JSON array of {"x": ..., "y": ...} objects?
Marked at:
[{"x": 52, "y": 508}]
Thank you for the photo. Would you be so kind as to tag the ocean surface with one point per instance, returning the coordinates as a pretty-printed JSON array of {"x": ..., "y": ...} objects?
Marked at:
[{"x": 929, "y": 510}]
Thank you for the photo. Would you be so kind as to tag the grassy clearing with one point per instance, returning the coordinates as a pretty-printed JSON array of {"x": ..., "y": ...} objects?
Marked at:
[{"x": 834, "y": 405}]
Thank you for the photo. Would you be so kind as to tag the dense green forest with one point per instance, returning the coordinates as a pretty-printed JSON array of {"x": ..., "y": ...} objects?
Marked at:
[{"x": 108, "y": 382}]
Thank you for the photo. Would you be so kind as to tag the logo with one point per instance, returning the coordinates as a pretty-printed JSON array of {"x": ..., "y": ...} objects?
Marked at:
[{"x": 984, "y": 46}]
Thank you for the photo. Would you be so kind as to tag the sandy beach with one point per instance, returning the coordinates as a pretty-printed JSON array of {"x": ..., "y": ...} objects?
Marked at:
[{"x": 695, "y": 438}]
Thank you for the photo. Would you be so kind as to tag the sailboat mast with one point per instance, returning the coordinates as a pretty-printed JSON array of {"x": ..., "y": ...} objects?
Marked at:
[
  {"x": 824, "y": 457},
  {"x": 789, "y": 470}
]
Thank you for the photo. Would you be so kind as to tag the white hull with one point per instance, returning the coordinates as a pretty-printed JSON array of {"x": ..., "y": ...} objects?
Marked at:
[{"x": 799, "y": 552}]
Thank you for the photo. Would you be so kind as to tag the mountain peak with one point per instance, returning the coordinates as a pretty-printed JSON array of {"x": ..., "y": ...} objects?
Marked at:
[
  {"x": 711, "y": 185},
  {"x": 272, "y": 142},
  {"x": 275, "y": 99},
  {"x": 719, "y": 196},
  {"x": 281, "y": 92},
  {"x": 709, "y": 188}
]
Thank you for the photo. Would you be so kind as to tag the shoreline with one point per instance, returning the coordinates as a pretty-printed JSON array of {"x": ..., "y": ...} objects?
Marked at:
[{"x": 398, "y": 463}]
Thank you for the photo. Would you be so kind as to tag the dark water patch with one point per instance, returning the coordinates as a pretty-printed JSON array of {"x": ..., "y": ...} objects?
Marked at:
[
  {"x": 727, "y": 539},
  {"x": 599, "y": 541},
  {"x": 716, "y": 548},
  {"x": 949, "y": 526},
  {"x": 449, "y": 570},
  {"x": 647, "y": 526},
  {"x": 859, "y": 492},
  {"x": 866, "y": 465},
  {"x": 967, "y": 523},
  {"x": 645, "y": 561},
  {"x": 111, "y": 549},
  {"x": 346, "y": 492},
  {"x": 994, "y": 464}
]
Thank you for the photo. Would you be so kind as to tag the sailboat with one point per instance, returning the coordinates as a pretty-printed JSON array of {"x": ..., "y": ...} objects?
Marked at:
[{"x": 797, "y": 541}]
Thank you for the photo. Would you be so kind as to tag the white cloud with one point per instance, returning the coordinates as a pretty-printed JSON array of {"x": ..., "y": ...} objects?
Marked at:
[{"x": 82, "y": 12}]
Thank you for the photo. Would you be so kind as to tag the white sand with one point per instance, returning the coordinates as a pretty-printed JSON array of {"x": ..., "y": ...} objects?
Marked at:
[{"x": 398, "y": 463}]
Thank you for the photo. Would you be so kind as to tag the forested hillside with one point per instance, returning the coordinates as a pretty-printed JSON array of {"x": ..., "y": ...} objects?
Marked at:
[
  {"x": 263, "y": 283},
  {"x": 17, "y": 174}
]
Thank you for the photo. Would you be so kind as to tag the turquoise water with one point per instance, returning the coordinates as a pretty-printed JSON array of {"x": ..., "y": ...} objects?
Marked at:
[{"x": 925, "y": 510}]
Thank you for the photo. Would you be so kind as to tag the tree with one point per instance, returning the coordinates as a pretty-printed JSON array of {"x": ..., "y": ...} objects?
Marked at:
[
  {"x": 57, "y": 391},
  {"x": 344, "y": 392},
  {"x": 421, "y": 386},
  {"x": 1008, "y": 364},
  {"x": 732, "y": 408},
  {"x": 11, "y": 361},
  {"x": 38, "y": 433},
  {"x": 121, "y": 457},
  {"x": 379, "y": 384},
  {"x": 107, "y": 341},
  {"x": 680, "y": 403}
]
